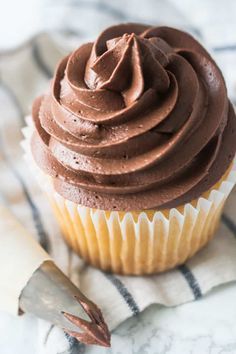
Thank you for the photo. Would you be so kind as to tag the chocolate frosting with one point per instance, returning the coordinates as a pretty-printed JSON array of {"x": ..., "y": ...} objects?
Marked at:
[{"x": 139, "y": 119}]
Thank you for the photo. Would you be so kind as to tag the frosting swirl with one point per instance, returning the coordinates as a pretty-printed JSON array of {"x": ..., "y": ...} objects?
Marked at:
[{"x": 139, "y": 119}]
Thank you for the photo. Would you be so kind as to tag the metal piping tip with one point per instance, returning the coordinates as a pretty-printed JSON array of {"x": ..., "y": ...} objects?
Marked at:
[
  {"x": 95, "y": 332},
  {"x": 50, "y": 295}
]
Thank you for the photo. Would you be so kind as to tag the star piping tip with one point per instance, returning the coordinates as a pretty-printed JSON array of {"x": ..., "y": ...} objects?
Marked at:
[{"x": 93, "y": 333}]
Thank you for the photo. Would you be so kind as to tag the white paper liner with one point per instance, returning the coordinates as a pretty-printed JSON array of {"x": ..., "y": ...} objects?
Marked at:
[
  {"x": 132, "y": 242},
  {"x": 20, "y": 256}
]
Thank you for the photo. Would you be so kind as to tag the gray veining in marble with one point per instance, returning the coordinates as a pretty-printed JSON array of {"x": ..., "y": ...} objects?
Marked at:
[
  {"x": 207, "y": 326},
  {"x": 204, "y": 327}
]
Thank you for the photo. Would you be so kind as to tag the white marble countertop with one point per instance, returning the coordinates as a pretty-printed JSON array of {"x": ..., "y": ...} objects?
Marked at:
[{"x": 207, "y": 326}]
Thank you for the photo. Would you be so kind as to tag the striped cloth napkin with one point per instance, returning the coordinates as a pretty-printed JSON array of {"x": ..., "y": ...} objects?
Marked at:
[{"x": 24, "y": 73}]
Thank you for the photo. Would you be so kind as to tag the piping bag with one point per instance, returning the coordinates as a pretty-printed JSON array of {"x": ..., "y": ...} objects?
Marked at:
[{"x": 31, "y": 282}]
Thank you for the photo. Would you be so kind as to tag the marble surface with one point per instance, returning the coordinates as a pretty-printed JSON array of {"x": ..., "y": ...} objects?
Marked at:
[{"x": 207, "y": 326}]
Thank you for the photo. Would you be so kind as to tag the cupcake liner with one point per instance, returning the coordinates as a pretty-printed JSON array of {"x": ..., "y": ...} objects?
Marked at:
[{"x": 136, "y": 242}]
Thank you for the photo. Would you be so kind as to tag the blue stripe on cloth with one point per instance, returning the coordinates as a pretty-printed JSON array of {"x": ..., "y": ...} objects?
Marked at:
[
  {"x": 75, "y": 347},
  {"x": 229, "y": 224},
  {"x": 48, "y": 334},
  {"x": 42, "y": 234},
  {"x": 191, "y": 280},
  {"x": 43, "y": 237},
  {"x": 40, "y": 62},
  {"x": 226, "y": 48},
  {"x": 128, "y": 298}
]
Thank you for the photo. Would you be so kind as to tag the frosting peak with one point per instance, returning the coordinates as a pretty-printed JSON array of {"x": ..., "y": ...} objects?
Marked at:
[
  {"x": 129, "y": 65},
  {"x": 139, "y": 119}
]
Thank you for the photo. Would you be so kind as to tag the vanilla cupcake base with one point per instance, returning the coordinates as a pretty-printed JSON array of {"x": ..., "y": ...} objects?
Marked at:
[{"x": 136, "y": 242}]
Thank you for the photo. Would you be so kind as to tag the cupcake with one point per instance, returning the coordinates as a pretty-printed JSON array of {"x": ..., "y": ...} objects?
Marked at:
[{"x": 134, "y": 145}]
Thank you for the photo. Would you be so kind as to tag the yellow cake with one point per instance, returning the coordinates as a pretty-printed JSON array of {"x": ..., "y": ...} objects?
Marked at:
[{"x": 134, "y": 146}]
